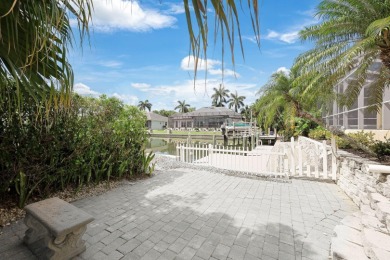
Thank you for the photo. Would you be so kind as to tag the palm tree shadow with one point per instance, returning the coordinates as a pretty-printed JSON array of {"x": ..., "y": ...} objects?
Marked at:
[{"x": 160, "y": 222}]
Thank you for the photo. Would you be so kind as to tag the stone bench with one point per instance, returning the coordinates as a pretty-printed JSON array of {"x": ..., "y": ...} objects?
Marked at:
[{"x": 55, "y": 229}]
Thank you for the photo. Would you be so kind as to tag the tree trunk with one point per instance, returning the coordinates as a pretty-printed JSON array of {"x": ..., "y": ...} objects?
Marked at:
[
  {"x": 336, "y": 132},
  {"x": 385, "y": 56}
]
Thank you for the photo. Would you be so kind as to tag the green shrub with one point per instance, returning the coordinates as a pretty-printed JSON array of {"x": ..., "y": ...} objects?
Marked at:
[
  {"x": 320, "y": 133},
  {"x": 91, "y": 141},
  {"x": 365, "y": 138},
  {"x": 361, "y": 137},
  {"x": 303, "y": 126},
  {"x": 382, "y": 149}
]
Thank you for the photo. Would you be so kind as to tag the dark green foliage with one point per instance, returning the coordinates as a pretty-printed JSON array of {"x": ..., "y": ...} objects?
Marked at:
[
  {"x": 164, "y": 112},
  {"x": 382, "y": 149},
  {"x": 303, "y": 126},
  {"x": 91, "y": 141}
]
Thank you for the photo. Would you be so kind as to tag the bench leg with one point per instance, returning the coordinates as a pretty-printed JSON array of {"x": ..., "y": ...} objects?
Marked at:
[
  {"x": 46, "y": 246},
  {"x": 35, "y": 232},
  {"x": 68, "y": 246}
]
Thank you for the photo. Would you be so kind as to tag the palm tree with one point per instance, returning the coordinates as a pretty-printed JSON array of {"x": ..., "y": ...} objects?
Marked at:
[
  {"x": 236, "y": 101},
  {"x": 183, "y": 107},
  {"x": 226, "y": 23},
  {"x": 246, "y": 112},
  {"x": 143, "y": 105},
  {"x": 34, "y": 41},
  {"x": 282, "y": 99},
  {"x": 35, "y": 36},
  {"x": 352, "y": 36},
  {"x": 220, "y": 96}
]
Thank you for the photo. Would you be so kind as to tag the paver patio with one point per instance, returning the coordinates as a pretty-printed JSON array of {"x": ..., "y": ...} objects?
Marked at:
[{"x": 193, "y": 214}]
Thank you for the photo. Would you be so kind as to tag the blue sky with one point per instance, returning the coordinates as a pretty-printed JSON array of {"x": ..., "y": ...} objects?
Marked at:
[{"x": 140, "y": 50}]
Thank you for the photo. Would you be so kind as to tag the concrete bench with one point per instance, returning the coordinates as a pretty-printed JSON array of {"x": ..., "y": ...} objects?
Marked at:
[{"x": 55, "y": 229}]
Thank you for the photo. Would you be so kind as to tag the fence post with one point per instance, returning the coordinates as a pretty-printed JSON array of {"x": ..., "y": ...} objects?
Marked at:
[
  {"x": 293, "y": 170},
  {"x": 325, "y": 160},
  {"x": 334, "y": 159},
  {"x": 192, "y": 151},
  {"x": 210, "y": 154},
  {"x": 286, "y": 163},
  {"x": 300, "y": 159}
]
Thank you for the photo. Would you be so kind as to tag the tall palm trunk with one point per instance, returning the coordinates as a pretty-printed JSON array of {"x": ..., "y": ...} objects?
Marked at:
[{"x": 385, "y": 56}]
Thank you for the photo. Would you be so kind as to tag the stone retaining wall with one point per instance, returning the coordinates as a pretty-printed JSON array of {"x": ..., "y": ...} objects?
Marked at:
[
  {"x": 365, "y": 234},
  {"x": 357, "y": 181}
]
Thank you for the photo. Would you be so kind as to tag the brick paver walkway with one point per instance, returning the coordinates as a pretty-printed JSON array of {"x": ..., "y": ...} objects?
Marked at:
[{"x": 192, "y": 214}]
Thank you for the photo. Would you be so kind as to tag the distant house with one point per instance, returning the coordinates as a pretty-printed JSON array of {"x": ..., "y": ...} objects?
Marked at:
[
  {"x": 205, "y": 117},
  {"x": 155, "y": 121}
]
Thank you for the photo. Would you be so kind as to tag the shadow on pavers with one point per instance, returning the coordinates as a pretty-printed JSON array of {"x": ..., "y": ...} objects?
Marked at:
[{"x": 132, "y": 224}]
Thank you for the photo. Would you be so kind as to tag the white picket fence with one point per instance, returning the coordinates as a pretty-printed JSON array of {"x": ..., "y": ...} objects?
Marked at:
[
  {"x": 310, "y": 158},
  {"x": 302, "y": 158},
  {"x": 242, "y": 160}
]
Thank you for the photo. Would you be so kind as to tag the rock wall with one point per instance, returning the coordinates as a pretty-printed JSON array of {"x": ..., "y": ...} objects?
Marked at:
[
  {"x": 357, "y": 182},
  {"x": 365, "y": 234}
]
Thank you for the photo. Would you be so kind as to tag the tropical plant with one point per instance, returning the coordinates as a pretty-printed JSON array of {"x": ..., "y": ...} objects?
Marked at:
[
  {"x": 183, "y": 107},
  {"x": 282, "y": 98},
  {"x": 93, "y": 140},
  {"x": 246, "y": 112},
  {"x": 147, "y": 164},
  {"x": 164, "y": 112},
  {"x": 219, "y": 98},
  {"x": 351, "y": 37},
  {"x": 34, "y": 41},
  {"x": 279, "y": 98},
  {"x": 226, "y": 24},
  {"x": 236, "y": 101},
  {"x": 143, "y": 105},
  {"x": 382, "y": 149}
]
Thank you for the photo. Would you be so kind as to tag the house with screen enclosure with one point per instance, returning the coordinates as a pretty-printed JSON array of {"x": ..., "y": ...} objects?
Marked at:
[
  {"x": 204, "y": 118},
  {"x": 361, "y": 115}
]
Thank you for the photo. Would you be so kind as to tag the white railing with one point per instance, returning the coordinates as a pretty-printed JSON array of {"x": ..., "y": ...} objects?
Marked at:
[
  {"x": 242, "y": 160},
  {"x": 302, "y": 158},
  {"x": 310, "y": 158}
]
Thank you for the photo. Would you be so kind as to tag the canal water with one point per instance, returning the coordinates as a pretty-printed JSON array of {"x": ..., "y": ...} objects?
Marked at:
[{"x": 168, "y": 145}]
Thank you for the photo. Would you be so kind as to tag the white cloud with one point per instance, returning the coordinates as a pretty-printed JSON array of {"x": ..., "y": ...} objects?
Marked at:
[
  {"x": 250, "y": 38},
  {"x": 127, "y": 99},
  {"x": 289, "y": 37},
  {"x": 284, "y": 70},
  {"x": 175, "y": 8},
  {"x": 84, "y": 90},
  {"x": 127, "y": 15},
  {"x": 111, "y": 64},
  {"x": 188, "y": 63},
  {"x": 197, "y": 95},
  {"x": 226, "y": 72},
  {"x": 213, "y": 67},
  {"x": 291, "y": 33},
  {"x": 141, "y": 86}
]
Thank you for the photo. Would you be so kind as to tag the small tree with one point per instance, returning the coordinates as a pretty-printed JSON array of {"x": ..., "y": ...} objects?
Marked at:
[
  {"x": 220, "y": 96},
  {"x": 182, "y": 107},
  {"x": 143, "y": 105},
  {"x": 236, "y": 101}
]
